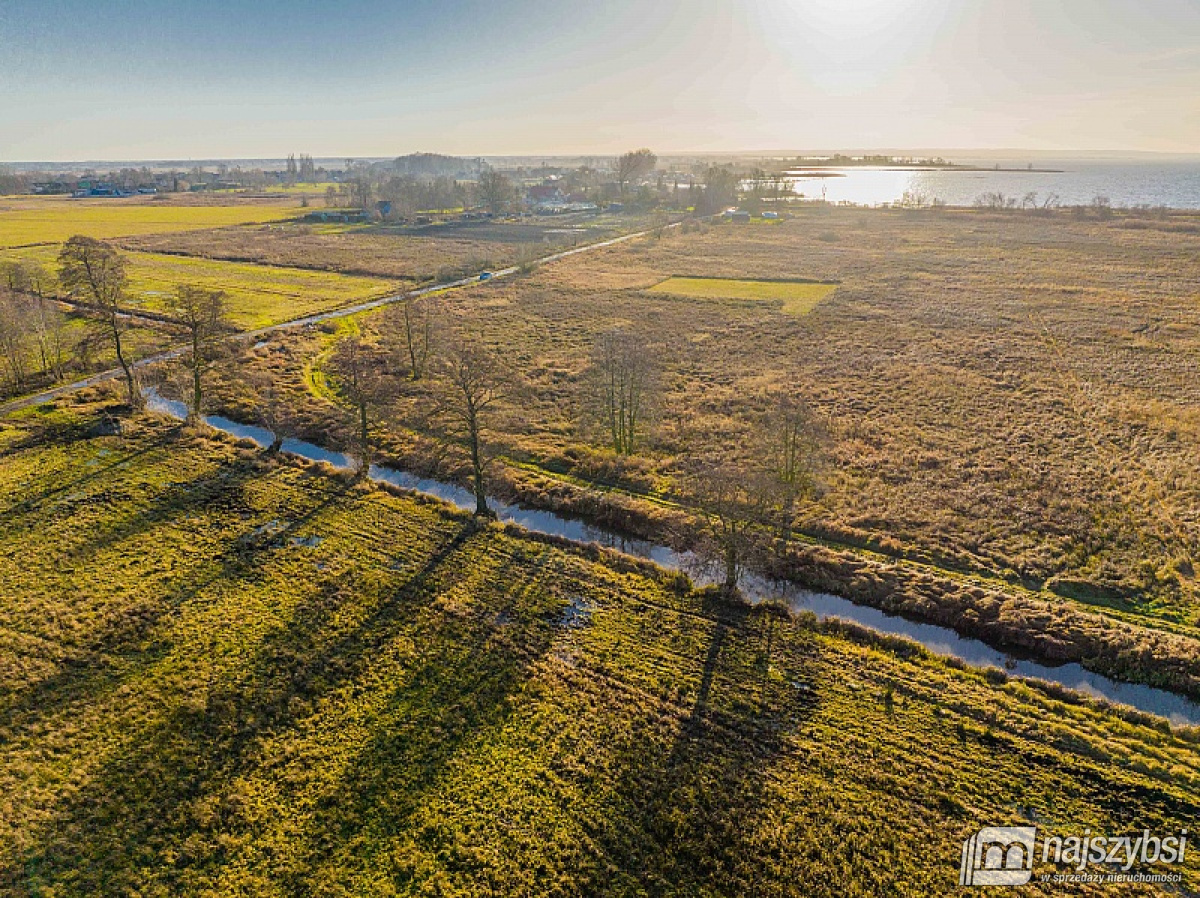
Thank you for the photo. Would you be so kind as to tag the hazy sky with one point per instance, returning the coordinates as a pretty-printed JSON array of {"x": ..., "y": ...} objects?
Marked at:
[{"x": 133, "y": 79}]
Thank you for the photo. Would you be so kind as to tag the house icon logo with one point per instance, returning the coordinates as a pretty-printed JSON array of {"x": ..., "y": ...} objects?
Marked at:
[{"x": 998, "y": 856}]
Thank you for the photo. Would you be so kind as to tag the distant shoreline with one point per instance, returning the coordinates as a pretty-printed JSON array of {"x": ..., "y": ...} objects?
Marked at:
[{"x": 829, "y": 170}]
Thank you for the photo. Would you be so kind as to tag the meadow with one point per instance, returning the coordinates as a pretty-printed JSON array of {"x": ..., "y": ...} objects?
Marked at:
[
  {"x": 28, "y": 221},
  {"x": 1010, "y": 402},
  {"x": 1007, "y": 395},
  {"x": 256, "y": 295},
  {"x": 792, "y": 297},
  {"x": 347, "y": 249},
  {"x": 232, "y": 674},
  {"x": 441, "y": 251}
]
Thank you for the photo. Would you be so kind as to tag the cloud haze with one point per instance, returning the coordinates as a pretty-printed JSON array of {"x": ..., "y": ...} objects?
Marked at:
[{"x": 217, "y": 79}]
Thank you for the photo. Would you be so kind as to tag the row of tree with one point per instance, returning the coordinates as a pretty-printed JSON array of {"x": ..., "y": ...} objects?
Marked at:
[
  {"x": 408, "y": 195},
  {"x": 498, "y": 193},
  {"x": 440, "y": 381},
  {"x": 304, "y": 170},
  {"x": 32, "y": 337},
  {"x": 34, "y": 334},
  {"x": 453, "y": 387}
]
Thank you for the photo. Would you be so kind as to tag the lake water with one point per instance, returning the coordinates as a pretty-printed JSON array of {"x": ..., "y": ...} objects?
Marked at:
[
  {"x": 941, "y": 640},
  {"x": 1125, "y": 184}
]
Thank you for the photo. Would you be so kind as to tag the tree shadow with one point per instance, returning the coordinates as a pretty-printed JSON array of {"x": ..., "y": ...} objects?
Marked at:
[
  {"x": 459, "y": 691},
  {"x": 221, "y": 489},
  {"x": 41, "y": 432},
  {"x": 160, "y": 810},
  {"x": 136, "y": 631},
  {"x": 679, "y": 825},
  {"x": 31, "y": 504}
]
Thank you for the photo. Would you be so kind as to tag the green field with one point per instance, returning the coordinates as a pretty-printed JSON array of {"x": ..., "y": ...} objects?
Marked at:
[
  {"x": 229, "y": 676},
  {"x": 27, "y": 221},
  {"x": 258, "y": 295},
  {"x": 794, "y": 297}
]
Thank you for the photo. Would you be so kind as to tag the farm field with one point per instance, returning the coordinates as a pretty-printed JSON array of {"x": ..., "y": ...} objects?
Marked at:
[
  {"x": 257, "y": 295},
  {"x": 1029, "y": 416},
  {"x": 235, "y": 675},
  {"x": 346, "y": 249},
  {"x": 793, "y": 297},
  {"x": 25, "y": 221},
  {"x": 443, "y": 251}
]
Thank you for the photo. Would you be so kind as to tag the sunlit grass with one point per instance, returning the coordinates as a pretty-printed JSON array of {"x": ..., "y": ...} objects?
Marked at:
[
  {"x": 795, "y": 297},
  {"x": 197, "y": 697},
  {"x": 26, "y": 221},
  {"x": 258, "y": 295}
]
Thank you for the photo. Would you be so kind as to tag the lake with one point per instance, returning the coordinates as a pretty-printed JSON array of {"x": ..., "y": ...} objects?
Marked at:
[{"x": 1126, "y": 184}]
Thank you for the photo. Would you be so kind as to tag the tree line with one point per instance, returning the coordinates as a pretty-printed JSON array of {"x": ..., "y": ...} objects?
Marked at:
[
  {"x": 445, "y": 382},
  {"x": 452, "y": 386},
  {"x": 38, "y": 343}
]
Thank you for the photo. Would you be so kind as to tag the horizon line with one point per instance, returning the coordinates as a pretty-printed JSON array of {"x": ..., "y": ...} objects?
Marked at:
[{"x": 943, "y": 152}]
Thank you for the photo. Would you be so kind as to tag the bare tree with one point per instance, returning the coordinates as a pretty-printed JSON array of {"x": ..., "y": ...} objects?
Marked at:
[
  {"x": 624, "y": 385},
  {"x": 50, "y": 326},
  {"x": 45, "y": 321},
  {"x": 15, "y": 276},
  {"x": 358, "y": 373},
  {"x": 15, "y": 326},
  {"x": 794, "y": 437},
  {"x": 1031, "y": 203},
  {"x": 411, "y": 325},
  {"x": 995, "y": 200},
  {"x": 470, "y": 381},
  {"x": 94, "y": 271},
  {"x": 205, "y": 318},
  {"x": 720, "y": 190},
  {"x": 634, "y": 165},
  {"x": 272, "y": 410},
  {"x": 362, "y": 191},
  {"x": 733, "y": 502},
  {"x": 495, "y": 191}
]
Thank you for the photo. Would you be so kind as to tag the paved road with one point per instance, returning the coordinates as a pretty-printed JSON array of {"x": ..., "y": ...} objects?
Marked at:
[{"x": 174, "y": 353}]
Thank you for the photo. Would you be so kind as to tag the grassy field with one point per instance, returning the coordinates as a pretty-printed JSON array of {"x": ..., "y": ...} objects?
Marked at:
[
  {"x": 257, "y": 295},
  {"x": 1009, "y": 397},
  {"x": 792, "y": 297},
  {"x": 232, "y": 676},
  {"x": 443, "y": 251},
  {"x": 26, "y": 221},
  {"x": 352, "y": 249}
]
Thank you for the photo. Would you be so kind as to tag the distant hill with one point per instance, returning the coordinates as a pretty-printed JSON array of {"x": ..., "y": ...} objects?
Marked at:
[{"x": 433, "y": 165}]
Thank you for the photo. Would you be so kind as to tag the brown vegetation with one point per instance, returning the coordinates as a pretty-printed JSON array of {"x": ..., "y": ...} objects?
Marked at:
[
  {"x": 302, "y": 246},
  {"x": 1008, "y": 397}
]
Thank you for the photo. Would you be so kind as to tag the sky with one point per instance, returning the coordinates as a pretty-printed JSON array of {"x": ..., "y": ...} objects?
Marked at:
[{"x": 196, "y": 79}]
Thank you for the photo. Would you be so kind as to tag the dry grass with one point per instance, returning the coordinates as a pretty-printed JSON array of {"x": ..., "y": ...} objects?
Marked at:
[
  {"x": 443, "y": 251},
  {"x": 1009, "y": 396},
  {"x": 349, "y": 251}
]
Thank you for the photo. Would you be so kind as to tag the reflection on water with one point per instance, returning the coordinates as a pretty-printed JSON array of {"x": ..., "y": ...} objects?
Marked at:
[
  {"x": 1130, "y": 184},
  {"x": 940, "y": 640}
]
